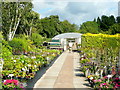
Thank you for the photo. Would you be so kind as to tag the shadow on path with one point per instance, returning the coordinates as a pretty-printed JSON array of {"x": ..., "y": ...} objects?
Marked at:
[
  {"x": 80, "y": 79},
  {"x": 80, "y": 75}
]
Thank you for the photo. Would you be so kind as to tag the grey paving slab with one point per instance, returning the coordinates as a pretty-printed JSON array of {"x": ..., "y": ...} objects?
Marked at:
[
  {"x": 65, "y": 78},
  {"x": 49, "y": 78}
]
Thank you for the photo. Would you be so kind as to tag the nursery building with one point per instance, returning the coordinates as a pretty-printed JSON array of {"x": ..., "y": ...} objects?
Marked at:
[{"x": 66, "y": 40}]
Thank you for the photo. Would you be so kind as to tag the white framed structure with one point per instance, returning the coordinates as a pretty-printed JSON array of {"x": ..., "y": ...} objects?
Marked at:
[{"x": 67, "y": 38}]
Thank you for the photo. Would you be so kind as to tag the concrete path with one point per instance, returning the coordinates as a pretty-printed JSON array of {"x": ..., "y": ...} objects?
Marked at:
[
  {"x": 64, "y": 73},
  {"x": 79, "y": 80},
  {"x": 65, "y": 78}
]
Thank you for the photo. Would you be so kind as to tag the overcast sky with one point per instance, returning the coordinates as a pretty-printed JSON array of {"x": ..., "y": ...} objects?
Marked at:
[{"x": 76, "y": 11}]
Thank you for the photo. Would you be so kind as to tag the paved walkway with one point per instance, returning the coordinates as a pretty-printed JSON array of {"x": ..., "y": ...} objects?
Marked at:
[
  {"x": 65, "y": 78},
  {"x": 64, "y": 73}
]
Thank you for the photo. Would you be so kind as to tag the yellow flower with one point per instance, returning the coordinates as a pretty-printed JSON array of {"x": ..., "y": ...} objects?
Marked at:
[
  {"x": 90, "y": 76},
  {"x": 101, "y": 35}
]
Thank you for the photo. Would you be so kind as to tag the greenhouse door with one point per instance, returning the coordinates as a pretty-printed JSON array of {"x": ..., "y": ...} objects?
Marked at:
[{"x": 70, "y": 43}]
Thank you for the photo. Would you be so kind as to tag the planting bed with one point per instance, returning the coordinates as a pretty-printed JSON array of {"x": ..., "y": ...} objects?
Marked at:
[
  {"x": 19, "y": 69},
  {"x": 100, "y": 57}
]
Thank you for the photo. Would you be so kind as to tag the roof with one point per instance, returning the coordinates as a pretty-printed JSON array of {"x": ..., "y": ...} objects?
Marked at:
[{"x": 67, "y": 35}]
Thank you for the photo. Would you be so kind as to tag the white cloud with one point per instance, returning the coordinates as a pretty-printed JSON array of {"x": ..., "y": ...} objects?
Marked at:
[
  {"x": 76, "y": 0},
  {"x": 76, "y": 12}
]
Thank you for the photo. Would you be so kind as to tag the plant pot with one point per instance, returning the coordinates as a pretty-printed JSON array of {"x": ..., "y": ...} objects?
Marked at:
[{"x": 30, "y": 70}]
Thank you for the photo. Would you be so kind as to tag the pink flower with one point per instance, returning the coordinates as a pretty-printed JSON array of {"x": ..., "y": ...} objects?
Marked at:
[
  {"x": 99, "y": 80},
  {"x": 105, "y": 77},
  {"x": 116, "y": 78},
  {"x": 21, "y": 87},
  {"x": 95, "y": 81},
  {"x": 11, "y": 81},
  {"x": 114, "y": 82},
  {"x": 21, "y": 84},
  {"x": 5, "y": 83},
  {"x": 104, "y": 83},
  {"x": 8, "y": 81},
  {"x": 10, "y": 86},
  {"x": 117, "y": 85},
  {"x": 101, "y": 85},
  {"x": 107, "y": 87},
  {"x": 15, "y": 82}
]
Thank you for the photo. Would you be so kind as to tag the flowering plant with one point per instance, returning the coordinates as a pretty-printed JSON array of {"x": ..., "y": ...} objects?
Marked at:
[
  {"x": 93, "y": 77},
  {"x": 12, "y": 83},
  {"x": 30, "y": 75},
  {"x": 116, "y": 82},
  {"x": 105, "y": 83}
]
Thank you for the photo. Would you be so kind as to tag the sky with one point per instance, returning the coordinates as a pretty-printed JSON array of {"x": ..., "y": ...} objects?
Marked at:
[{"x": 76, "y": 11}]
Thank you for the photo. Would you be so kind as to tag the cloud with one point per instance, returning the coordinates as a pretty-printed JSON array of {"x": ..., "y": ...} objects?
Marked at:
[
  {"x": 80, "y": 7},
  {"x": 76, "y": 12},
  {"x": 76, "y": 0}
]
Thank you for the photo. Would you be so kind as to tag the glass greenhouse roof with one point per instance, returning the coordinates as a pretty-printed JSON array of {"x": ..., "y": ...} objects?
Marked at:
[{"x": 67, "y": 35}]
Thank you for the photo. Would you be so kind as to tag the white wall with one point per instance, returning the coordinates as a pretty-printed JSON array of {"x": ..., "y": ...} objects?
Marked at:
[
  {"x": 62, "y": 41},
  {"x": 79, "y": 40},
  {"x": 65, "y": 44}
]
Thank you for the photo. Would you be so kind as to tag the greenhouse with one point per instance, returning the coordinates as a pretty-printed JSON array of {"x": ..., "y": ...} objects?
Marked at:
[{"x": 68, "y": 39}]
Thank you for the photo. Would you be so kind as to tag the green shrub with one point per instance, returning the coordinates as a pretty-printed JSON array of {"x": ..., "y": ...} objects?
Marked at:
[
  {"x": 18, "y": 44},
  {"x": 37, "y": 39},
  {"x": 6, "y": 52},
  {"x": 84, "y": 61},
  {"x": 84, "y": 68},
  {"x": 6, "y": 49},
  {"x": 1, "y": 44},
  {"x": 21, "y": 44}
]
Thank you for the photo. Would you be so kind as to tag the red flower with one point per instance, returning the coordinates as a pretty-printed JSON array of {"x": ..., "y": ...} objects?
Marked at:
[
  {"x": 11, "y": 81},
  {"x": 116, "y": 78},
  {"x": 5, "y": 83},
  {"x": 103, "y": 84},
  {"x": 117, "y": 85}
]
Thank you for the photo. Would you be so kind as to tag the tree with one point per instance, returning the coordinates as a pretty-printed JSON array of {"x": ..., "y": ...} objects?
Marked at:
[
  {"x": 105, "y": 19},
  {"x": 114, "y": 29},
  {"x": 28, "y": 22},
  {"x": 98, "y": 21},
  {"x": 111, "y": 20},
  {"x": 49, "y": 26},
  {"x": 118, "y": 19},
  {"x": 12, "y": 13},
  {"x": 52, "y": 26},
  {"x": 37, "y": 39},
  {"x": 68, "y": 27},
  {"x": 89, "y": 27},
  {"x": 94, "y": 20},
  {"x": 104, "y": 23},
  {"x": 75, "y": 27}
]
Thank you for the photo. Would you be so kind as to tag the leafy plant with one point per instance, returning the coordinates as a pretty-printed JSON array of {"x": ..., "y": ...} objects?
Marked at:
[
  {"x": 37, "y": 39},
  {"x": 84, "y": 61}
]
